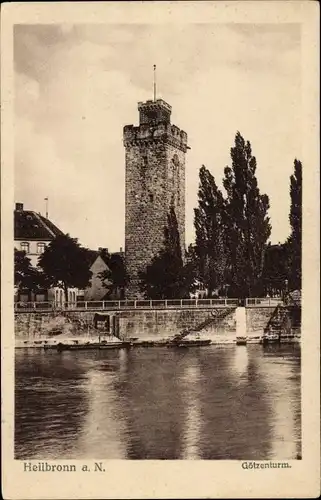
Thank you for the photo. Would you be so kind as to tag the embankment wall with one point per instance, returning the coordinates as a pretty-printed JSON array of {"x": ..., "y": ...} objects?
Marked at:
[
  {"x": 142, "y": 324},
  {"x": 257, "y": 319}
]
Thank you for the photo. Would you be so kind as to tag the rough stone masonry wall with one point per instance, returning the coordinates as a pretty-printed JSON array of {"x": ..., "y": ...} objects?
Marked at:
[
  {"x": 256, "y": 319},
  {"x": 154, "y": 180},
  {"x": 176, "y": 188},
  {"x": 161, "y": 324},
  {"x": 52, "y": 325},
  {"x": 143, "y": 324},
  {"x": 145, "y": 213}
]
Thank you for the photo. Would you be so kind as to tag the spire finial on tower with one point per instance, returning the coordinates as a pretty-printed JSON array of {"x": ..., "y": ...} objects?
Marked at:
[{"x": 154, "y": 82}]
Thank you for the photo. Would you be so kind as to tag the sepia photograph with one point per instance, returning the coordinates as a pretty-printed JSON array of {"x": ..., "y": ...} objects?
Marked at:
[{"x": 158, "y": 175}]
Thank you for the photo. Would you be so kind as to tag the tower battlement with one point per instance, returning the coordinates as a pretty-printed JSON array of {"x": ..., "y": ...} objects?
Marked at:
[
  {"x": 134, "y": 135},
  {"x": 153, "y": 112}
]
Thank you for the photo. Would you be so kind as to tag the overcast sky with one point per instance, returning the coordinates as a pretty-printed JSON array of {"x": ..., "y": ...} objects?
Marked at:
[{"x": 77, "y": 86}]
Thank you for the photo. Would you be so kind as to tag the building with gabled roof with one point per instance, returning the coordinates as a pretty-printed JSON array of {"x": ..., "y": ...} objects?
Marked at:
[
  {"x": 102, "y": 289},
  {"x": 97, "y": 289},
  {"x": 32, "y": 232}
]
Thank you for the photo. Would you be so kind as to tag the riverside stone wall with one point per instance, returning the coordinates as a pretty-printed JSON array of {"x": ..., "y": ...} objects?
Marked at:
[
  {"x": 143, "y": 324},
  {"x": 149, "y": 324},
  {"x": 256, "y": 319}
]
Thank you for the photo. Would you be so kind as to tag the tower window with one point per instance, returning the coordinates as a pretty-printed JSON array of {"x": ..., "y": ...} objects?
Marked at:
[
  {"x": 176, "y": 160},
  {"x": 24, "y": 247}
]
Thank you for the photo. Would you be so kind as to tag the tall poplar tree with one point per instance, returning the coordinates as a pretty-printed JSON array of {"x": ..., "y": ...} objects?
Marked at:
[
  {"x": 210, "y": 228},
  {"x": 294, "y": 242},
  {"x": 248, "y": 222}
]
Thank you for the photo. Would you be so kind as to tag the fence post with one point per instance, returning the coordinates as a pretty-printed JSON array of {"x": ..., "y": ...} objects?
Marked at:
[
  {"x": 181, "y": 302},
  {"x": 134, "y": 304},
  {"x": 34, "y": 305},
  {"x": 119, "y": 304},
  {"x": 196, "y": 302},
  {"x": 86, "y": 304},
  {"x": 150, "y": 304},
  {"x": 165, "y": 303}
]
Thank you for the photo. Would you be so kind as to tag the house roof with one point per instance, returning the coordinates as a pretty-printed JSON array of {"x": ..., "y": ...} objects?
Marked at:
[
  {"x": 105, "y": 256},
  {"x": 29, "y": 225},
  {"x": 94, "y": 254}
]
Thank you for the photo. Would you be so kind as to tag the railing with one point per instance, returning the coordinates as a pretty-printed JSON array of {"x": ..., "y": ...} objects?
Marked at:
[
  {"x": 144, "y": 304},
  {"x": 123, "y": 305},
  {"x": 263, "y": 302}
]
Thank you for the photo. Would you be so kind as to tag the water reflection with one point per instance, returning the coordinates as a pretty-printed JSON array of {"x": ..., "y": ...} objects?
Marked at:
[
  {"x": 103, "y": 426},
  {"x": 283, "y": 397},
  {"x": 217, "y": 402},
  {"x": 192, "y": 430},
  {"x": 241, "y": 363},
  {"x": 152, "y": 401}
]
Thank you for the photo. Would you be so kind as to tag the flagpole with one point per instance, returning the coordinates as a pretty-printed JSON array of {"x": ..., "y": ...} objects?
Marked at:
[
  {"x": 154, "y": 82},
  {"x": 46, "y": 200}
]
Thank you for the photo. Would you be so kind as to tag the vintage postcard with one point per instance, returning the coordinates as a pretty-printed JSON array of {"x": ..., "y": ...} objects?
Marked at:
[{"x": 160, "y": 250}]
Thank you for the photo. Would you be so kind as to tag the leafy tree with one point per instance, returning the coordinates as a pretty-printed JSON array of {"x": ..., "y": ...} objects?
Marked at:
[
  {"x": 115, "y": 278},
  {"x": 22, "y": 268},
  {"x": 248, "y": 225},
  {"x": 295, "y": 240},
  {"x": 119, "y": 276},
  {"x": 65, "y": 263},
  {"x": 165, "y": 277},
  {"x": 25, "y": 275},
  {"x": 210, "y": 228}
]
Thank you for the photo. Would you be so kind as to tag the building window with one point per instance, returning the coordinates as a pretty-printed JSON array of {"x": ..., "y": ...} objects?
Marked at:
[
  {"x": 41, "y": 247},
  {"x": 24, "y": 247}
]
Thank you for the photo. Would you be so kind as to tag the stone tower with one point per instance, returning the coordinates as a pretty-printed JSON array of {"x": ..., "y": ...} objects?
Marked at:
[{"x": 155, "y": 180}]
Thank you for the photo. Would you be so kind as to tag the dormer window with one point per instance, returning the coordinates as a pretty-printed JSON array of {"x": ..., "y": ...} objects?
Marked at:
[
  {"x": 24, "y": 246},
  {"x": 41, "y": 248}
]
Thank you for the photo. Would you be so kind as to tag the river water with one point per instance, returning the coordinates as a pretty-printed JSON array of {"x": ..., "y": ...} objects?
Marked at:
[{"x": 214, "y": 402}]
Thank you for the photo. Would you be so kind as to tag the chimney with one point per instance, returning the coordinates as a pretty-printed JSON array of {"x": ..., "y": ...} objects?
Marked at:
[
  {"x": 121, "y": 250},
  {"x": 19, "y": 207}
]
